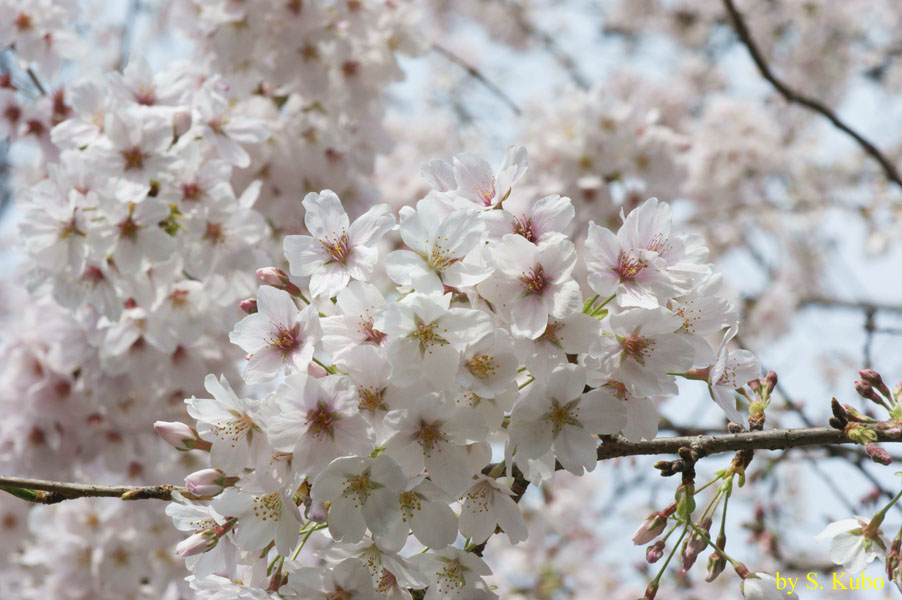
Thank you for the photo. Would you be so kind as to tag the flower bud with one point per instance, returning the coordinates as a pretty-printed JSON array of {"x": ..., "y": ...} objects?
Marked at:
[
  {"x": 317, "y": 512},
  {"x": 694, "y": 544},
  {"x": 176, "y": 434},
  {"x": 716, "y": 564},
  {"x": 181, "y": 123},
  {"x": 651, "y": 528},
  {"x": 278, "y": 279},
  {"x": 197, "y": 543},
  {"x": 654, "y": 552},
  {"x": 249, "y": 306},
  {"x": 770, "y": 382},
  {"x": 206, "y": 482},
  {"x": 316, "y": 371},
  {"x": 878, "y": 454},
  {"x": 875, "y": 380},
  {"x": 865, "y": 390}
]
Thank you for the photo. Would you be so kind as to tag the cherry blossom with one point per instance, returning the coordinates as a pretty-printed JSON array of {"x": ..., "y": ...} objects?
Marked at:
[
  {"x": 336, "y": 251},
  {"x": 278, "y": 336}
]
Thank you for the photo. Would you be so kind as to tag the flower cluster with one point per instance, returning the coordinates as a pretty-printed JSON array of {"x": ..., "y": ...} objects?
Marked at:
[{"x": 394, "y": 376}]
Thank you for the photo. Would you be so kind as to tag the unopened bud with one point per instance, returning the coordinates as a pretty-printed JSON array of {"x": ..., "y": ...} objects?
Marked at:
[
  {"x": 716, "y": 564},
  {"x": 873, "y": 377},
  {"x": 181, "y": 123},
  {"x": 837, "y": 409},
  {"x": 878, "y": 454},
  {"x": 770, "y": 382},
  {"x": 865, "y": 390},
  {"x": 277, "y": 278},
  {"x": 652, "y": 527},
  {"x": 197, "y": 543},
  {"x": 177, "y": 434},
  {"x": 317, "y": 512},
  {"x": 315, "y": 370},
  {"x": 742, "y": 570},
  {"x": 854, "y": 415},
  {"x": 694, "y": 544},
  {"x": 654, "y": 552},
  {"x": 206, "y": 482},
  {"x": 249, "y": 306},
  {"x": 861, "y": 434}
]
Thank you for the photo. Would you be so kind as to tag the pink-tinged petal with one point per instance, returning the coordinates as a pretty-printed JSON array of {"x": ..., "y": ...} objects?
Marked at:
[
  {"x": 277, "y": 305},
  {"x": 511, "y": 519},
  {"x": 449, "y": 469},
  {"x": 434, "y": 525},
  {"x": 345, "y": 520},
  {"x": 305, "y": 255},
  {"x": 325, "y": 216},
  {"x": 575, "y": 448},
  {"x": 371, "y": 225},
  {"x": 601, "y": 413},
  {"x": 328, "y": 280},
  {"x": 263, "y": 365}
]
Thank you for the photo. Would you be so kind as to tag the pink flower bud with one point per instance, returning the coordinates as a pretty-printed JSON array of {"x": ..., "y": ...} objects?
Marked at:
[
  {"x": 272, "y": 276},
  {"x": 770, "y": 382},
  {"x": 694, "y": 544},
  {"x": 873, "y": 377},
  {"x": 317, "y": 512},
  {"x": 181, "y": 123},
  {"x": 278, "y": 279},
  {"x": 177, "y": 434},
  {"x": 249, "y": 306},
  {"x": 716, "y": 564},
  {"x": 196, "y": 544},
  {"x": 206, "y": 482},
  {"x": 651, "y": 528},
  {"x": 654, "y": 552},
  {"x": 878, "y": 454},
  {"x": 315, "y": 370}
]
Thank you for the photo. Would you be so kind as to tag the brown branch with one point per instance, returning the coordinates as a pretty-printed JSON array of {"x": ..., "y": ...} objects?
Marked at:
[
  {"x": 51, "y": 492},
  {"x": 478, "y": 76},
  {"x": 862, "y": 305},
  {"x": 795, "y": 97}
]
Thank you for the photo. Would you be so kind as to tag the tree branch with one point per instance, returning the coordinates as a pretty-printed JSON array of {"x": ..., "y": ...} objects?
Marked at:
[
  {"x": 795, "y": 97},
  {"x": 478, "y": 76},
  {"x": 771, "y": 439},
  {"x": 52, "y": 492}
]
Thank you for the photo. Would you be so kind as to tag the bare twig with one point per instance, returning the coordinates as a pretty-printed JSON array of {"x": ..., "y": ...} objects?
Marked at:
[
  {"x": 795, "y": 97},
  {"x": 51, "y": 492},
  {"x": 37, "y": 82},
  {"x": 550, "y": 44},
  {"x": 478, "y": 76}
]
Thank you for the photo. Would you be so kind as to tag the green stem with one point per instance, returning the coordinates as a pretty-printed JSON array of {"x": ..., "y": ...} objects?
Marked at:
[
  {"x": 673, "y": 550},
  {"x": 873, "y": 527},
  {"x": 704, "y": 536}
]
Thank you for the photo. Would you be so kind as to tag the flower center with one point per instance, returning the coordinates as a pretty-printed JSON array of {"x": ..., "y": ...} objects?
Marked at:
[
  {"x": 338, "y": 247},
  {"x": 523, "y": 226},
  {"x": 133, "y": 157},
  {"x": 213, "y": 232},
  {"x": 486, "y": 191},
  {"x": 637, "y": 348},
  {"x": 450, "y": 578},
  {"x": 268, "y": 506},
  {"x": 562, "y": 414},
  {"x": 440, "y": 258},
  {"x": 370, "y": 334},
  {"x": 285, "y": 339},
  {"x": 428, "y": 336},
  {"x": 233, "y": 429},
  {"x": 534, "y": 281},
  {"x": 482, "y": 366},
  {"x": 550, "y": 334},
  {"x": 321, "y": 421},
  {"x": 430, "y": 435},
  {"x": 411, "y": 502},
  {"x": 371, "y": 399},
  {"x": 629, "y": 266},
  {"x": 358, "y": 488}
]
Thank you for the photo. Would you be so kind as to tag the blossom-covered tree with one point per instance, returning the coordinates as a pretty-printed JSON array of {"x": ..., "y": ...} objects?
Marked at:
[{"x": 387, "y": 363}]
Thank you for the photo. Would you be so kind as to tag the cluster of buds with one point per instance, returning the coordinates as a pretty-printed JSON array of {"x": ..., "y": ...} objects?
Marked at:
[
  {"x": 864, "y": 428},
  {"x": 762, "y": 389}
]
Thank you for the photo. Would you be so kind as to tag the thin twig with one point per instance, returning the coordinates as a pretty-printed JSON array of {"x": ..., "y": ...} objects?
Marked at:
[
  {"x": 796, "y": 98},
  {"x": 51, "y": 492},
  {"x": 478, "y": 76},
  {"x": 550, "y": 44},
  {"x": 37, "y": 82}
]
